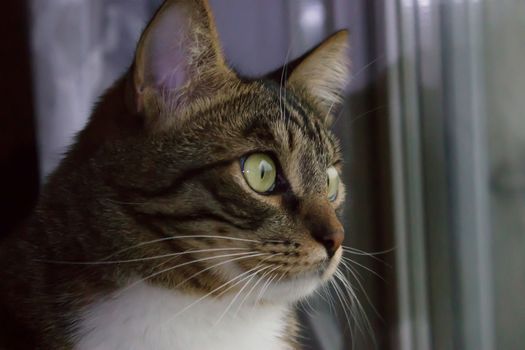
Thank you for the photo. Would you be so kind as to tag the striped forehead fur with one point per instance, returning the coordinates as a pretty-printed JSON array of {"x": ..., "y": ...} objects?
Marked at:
[{"x": 271, "y": 118}]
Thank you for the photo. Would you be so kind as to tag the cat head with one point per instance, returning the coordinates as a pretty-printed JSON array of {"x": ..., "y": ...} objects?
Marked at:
[{"x": 235, "y": 182}]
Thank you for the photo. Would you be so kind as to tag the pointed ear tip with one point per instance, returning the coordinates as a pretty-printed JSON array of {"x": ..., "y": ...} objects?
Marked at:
[
  {"x": 168, "y": 5},
  {"x": 341, "y": 35},
  {"x": 340, "y": 42},
  {"x": 339, "y": 39}
]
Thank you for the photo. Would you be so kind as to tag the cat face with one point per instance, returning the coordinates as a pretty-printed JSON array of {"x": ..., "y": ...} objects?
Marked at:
[{"x": 237, "y": 183}]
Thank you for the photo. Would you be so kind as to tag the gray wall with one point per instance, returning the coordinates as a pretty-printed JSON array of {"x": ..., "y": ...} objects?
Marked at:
[{"x": 505, "y": 72}]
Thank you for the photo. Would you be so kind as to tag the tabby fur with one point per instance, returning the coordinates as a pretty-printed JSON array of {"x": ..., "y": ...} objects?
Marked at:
[{"x": 160, "y": 159}]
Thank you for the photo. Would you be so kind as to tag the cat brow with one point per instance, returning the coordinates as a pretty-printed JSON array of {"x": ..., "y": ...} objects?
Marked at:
[{"x": 293, "y": 107}]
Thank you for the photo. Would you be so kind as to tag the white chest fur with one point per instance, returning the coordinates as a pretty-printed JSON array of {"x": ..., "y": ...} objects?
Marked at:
[{"x": 148, "y": 318}]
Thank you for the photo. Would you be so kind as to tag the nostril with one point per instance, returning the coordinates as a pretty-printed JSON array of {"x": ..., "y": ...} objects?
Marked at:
[
  {"x": 324, "y": 226},
  {"x": 329, "y": 244},
  {"x": 331, "y": 241}
]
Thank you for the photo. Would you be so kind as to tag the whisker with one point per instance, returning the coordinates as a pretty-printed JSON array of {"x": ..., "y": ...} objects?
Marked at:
[
  {"x": 109, "y": 262},
  {"x": 312, "y": 311},
  {"x": 320, "y": 295},
  {"x": 164, "y": 239},
  {"x": 362, "y": 252},
  {"x": 354, "y": 326},
  {"x": 365, "y": 67},
  {"x": 240, "y": 276},
  {"x": 343, "y": 302},
  {"x": 263, "y": 289},
  {"x": 280, "y": 94},
  {"x": 326, "y": 295},
  {"x": 364, "y": 114},
  {"x": 219, "y": 264},
  {"x": 281, "y": 85},
  {"x": 305, "y": 308},
  {"x": 258, "y": 281},
  {"x": 251, "y": 276},
  {"x": 287, "y": 121},
  {"x": 329, "y": 110},
  {"x": 356, "y": 277},
  {"x": 281, "y": 277},
  {"x": 360, "y": 307},
  {"x": 363, "y": 313},
  {"x": 356, "y": 308},
  {"x": 364, "y": 267},
  {"x": 185, "y": 264},
  {"x": 264, "y": 286}
]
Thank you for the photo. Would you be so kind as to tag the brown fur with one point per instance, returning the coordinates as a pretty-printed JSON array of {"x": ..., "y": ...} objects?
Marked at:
[{"x": 152, "y": 164}]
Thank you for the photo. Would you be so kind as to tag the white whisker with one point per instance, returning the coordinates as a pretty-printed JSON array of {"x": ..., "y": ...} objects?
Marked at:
[
  {"x": 365, "y": 67},
  {"x": 264, "y": 287},
  {"x": 265, "y": 284},
  {"x": 213, "y": 291},
  {"x": 109, "y": 262},
  {"x": 329, "y": 111},
  {"x": 356, "y": 277},
  {"x": 164, "y": 239},
  {"x": 360, "y": 307},
  {"x": 364, "y": 267},
  {"x": 343, "y": 301},
  {"x": 185, "y": 264},
  {"x": 328, "y": 297},
  {"x": 234, "y": 299},
  {"x": 258, "y": 281},
  {"x": 362, "y": 252},
  {"x": 344, "y": 307},
  {"x": 281, "y": 85},
  {"x": 311, "y": 311},
  {"x": 219, "y": 264},
  {"x": 372, "y": 256}
]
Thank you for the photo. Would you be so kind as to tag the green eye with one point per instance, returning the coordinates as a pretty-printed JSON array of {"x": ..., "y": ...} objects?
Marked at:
[
  {"x": 260, "y": 172},
  {"x": 333, "y": 183}
]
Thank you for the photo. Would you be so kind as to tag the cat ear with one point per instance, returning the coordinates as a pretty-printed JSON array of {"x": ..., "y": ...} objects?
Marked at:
[
  {"x": 324, "y": 72},
  {"x": 178, "y": 57}
]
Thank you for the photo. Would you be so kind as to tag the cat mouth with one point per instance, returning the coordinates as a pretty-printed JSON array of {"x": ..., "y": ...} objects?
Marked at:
[
  {"x": 278, "y": 279},
  {"x": 304, "y": 283}
]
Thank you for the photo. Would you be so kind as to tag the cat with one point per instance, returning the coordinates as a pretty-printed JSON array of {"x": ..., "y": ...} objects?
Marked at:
[{"x": 192, "y": 212}]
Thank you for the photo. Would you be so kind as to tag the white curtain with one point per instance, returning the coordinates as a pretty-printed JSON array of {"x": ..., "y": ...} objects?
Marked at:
[{"x": 79, "y": 47}]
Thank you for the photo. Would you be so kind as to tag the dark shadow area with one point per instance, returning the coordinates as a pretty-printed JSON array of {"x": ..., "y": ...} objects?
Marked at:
[{"x": 18, "y": 156}]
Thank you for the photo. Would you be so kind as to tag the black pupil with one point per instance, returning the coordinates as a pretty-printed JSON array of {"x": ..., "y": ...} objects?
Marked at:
[{"x": 263, "y": 170}]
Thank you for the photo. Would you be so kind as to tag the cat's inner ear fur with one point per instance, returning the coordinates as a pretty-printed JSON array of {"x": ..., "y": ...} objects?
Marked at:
[
  {"x": 323, "y": 73},
  {"x": 178, "y": 58}
]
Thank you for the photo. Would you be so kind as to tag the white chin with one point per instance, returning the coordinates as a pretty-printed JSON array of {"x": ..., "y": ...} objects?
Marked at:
[
  {"x": 298, "y": 288},
  {"x": 293, "y": 290}
]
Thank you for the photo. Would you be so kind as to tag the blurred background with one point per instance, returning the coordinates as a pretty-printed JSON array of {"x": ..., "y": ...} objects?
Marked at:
[{"x": 433, "y": 132}]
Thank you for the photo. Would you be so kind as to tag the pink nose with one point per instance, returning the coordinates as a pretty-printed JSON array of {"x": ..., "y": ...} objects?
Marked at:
[
  {"x": 324, "y": 226},
  {"x": 330, "y": 238}
]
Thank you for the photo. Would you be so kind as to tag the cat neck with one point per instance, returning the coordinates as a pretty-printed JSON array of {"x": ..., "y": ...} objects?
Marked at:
[{"x": 147, "y": 317}]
